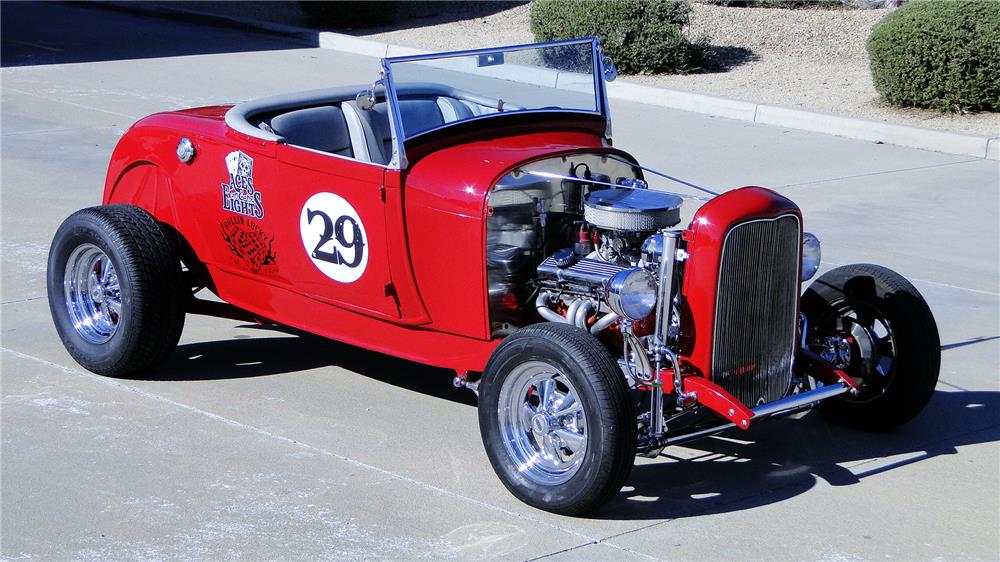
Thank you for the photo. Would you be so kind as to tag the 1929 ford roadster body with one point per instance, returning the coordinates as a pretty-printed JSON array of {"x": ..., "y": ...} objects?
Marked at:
[{"x": 468, "y": 211}]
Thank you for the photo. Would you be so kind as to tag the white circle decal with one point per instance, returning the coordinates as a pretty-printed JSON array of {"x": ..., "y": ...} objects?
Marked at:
[{"x": 334, "y": 237}]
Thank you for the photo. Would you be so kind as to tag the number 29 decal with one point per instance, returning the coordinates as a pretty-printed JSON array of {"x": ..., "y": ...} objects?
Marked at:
[{"x": 334, "y": 237}]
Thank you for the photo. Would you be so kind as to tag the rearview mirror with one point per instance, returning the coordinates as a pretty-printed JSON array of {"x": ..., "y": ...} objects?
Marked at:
[
  {"x": 490, "y": 59},
  {"x": 365, "y": 99},
  {"x": 610, "y": 72}
]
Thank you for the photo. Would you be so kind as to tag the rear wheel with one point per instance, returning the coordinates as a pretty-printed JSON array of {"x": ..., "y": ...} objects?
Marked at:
[
  {"x": 115, "y": 289},
  {"x": 556, "y": 420},
  {"x": 872, "y": 323}
]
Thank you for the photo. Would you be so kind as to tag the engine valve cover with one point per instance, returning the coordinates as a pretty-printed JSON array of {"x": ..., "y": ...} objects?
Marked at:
[
  {"x": 586, "y": 273},
  {"x": 632, "y": 210}
]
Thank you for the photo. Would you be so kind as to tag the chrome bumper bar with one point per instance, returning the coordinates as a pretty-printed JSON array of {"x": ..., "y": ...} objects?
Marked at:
[
  {"x": 781, "y": 407},
  {"x": 796, "y": 401}
]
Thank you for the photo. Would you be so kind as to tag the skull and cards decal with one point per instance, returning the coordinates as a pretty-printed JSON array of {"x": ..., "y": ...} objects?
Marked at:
[
  {"x": 239, "y": 195},
  {"x": 249, "y": 245}
]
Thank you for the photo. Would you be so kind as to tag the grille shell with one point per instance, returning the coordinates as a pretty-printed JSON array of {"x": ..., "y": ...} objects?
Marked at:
[{"x": 756, "y": 308}]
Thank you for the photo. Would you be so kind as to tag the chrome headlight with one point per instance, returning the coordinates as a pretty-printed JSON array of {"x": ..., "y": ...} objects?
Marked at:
[
  {"x": 632, "y": 294},
  {"x": 811, "y": 255}
]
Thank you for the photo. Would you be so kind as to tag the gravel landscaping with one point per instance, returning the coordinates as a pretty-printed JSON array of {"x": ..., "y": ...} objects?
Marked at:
[{"x": 809, "y": 58}]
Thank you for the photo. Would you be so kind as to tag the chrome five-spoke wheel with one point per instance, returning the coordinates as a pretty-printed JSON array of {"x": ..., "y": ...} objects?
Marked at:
[
  {"x": 93, "y": 295},
  {"x": 543, "y": 424}
]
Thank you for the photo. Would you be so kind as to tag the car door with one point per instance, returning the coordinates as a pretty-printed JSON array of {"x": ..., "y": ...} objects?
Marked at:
[{"x": 329, "y": 219}]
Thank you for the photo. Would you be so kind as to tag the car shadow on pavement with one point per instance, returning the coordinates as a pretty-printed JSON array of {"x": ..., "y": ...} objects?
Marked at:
[
  {"x": 967, "y": 342},
  {"x": 784, "y": 458},
  {"x": 246, "y": 356},
  {"x": 735, "y": 471}
]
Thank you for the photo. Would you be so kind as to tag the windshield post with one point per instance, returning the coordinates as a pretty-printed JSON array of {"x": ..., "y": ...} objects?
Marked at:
[
  {"x": 602, "y": 87},
  {"x": 398, "y": 161}
]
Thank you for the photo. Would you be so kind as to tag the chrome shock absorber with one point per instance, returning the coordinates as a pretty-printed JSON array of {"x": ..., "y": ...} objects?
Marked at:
[{"x": 663, "y": 340}]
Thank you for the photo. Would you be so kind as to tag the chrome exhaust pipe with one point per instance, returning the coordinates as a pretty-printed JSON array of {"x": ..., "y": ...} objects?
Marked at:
[{"x": 541, "y": 305}]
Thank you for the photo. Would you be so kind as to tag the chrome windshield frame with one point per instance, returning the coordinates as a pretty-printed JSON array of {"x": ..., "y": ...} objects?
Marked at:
[
  {"x": 398, "y": 160},
  {"x": 601, "y": 87}
]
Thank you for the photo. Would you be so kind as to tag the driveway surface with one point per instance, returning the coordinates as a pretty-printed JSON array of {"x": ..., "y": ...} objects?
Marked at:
[{"x": 259, "y": 443}]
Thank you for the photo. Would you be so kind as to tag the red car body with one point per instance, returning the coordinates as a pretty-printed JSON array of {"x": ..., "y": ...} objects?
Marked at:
[
  {"x": 425, "y": 224},
  {"x": 409, "y": 303}
]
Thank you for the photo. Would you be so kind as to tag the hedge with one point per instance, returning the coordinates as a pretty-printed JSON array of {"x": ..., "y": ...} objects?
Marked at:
[
  {"x": 639, "y": 35},
  {"x": 940, "y": 54}
]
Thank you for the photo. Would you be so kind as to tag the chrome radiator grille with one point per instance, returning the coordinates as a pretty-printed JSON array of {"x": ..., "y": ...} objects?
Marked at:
[{"x": 755, "y": 312}]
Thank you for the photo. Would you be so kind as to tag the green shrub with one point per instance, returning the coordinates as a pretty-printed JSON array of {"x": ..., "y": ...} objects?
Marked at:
[
  {"x": 941, "y": 54},
  {"x": 639, "y": 35}
]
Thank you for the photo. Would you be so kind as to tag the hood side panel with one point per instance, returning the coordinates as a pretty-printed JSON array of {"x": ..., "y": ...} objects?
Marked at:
[{"x": 445, "y": 202}]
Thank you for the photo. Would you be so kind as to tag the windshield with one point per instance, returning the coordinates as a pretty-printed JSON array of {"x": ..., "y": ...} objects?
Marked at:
[{"x": 437, "y": 90}]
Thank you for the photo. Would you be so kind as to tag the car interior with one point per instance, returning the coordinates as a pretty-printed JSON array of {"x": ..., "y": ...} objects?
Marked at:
[{"x": 331, "y": 121}]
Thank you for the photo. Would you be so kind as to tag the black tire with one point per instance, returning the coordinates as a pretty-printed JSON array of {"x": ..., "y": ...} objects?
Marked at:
[
  {"x": 149, "y": 289},
  {"x": 610, "y": 421},
  {"x": 900, "y": 370}
]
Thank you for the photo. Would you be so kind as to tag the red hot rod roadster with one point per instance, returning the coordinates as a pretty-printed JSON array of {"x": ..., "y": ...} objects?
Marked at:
[{"x": 468, "y": 210}]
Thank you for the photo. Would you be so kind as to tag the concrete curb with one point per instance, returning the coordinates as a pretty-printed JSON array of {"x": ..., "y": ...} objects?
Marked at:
[{"x": 879, "y": 132}]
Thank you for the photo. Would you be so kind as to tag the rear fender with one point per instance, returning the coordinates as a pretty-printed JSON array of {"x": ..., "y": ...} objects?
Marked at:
[
  {"x": 142, "y": 169},
  {"x": 145, "y": 170},
  {"x": 143, "y": 184},
  {"x": 139, "y": 174},
  {"x": 146, "y": 185}
]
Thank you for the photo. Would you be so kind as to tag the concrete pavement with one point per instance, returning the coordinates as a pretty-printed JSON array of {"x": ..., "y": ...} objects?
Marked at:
[{"x": 262, "y": 444}]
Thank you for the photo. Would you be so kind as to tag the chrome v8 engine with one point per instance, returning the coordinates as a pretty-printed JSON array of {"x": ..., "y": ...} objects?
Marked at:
[{"x": 559, "y": 230}]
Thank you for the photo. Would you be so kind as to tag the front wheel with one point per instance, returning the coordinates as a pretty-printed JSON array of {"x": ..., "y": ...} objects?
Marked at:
[
  {"x": 873, "y": 324},
  {"x": 556, "y": 420}
]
